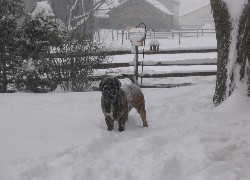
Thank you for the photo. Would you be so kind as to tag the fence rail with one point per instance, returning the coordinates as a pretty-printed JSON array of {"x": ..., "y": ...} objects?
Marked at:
[
  {"x": 159, "y": 63},
  {"x": 161, "y": 75}
]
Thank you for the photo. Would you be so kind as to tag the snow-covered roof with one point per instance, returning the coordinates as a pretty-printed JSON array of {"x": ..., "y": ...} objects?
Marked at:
[
  {"x": 110, "y": 4},
  {"x": 105, "y": 8},
  {"x": 159, "y": 6},
  {"x": 42, "y": 8},
  {"x": 187, "y": 6}
]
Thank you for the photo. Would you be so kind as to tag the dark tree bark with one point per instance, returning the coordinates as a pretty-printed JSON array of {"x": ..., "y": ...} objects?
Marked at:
[{"x": 231, "y": 72}]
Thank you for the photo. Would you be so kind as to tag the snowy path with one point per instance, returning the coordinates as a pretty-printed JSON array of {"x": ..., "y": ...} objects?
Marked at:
[{"x": 64, "y": 137}]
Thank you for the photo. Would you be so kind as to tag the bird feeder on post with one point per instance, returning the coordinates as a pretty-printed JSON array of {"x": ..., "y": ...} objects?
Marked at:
[{"x": 137, "y": 38}]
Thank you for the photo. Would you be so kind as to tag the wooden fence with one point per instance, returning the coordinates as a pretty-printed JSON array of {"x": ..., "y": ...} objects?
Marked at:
[
  {"x": 184, "y": 32},
  {"x": 161, "y": 75},
  {"x": 159, "y": 63}
]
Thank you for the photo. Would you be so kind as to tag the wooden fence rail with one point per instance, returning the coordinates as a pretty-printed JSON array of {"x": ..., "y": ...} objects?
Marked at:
[{"x": 161, "y": 75}]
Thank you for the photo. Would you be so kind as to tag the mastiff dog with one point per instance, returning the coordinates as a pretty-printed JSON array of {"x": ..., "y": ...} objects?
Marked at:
[{"x": 118, "y": 100}]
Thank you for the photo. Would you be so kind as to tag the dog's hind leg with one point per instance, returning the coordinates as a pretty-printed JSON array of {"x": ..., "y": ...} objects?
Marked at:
[
  {"x": 143, "y": 117},
  {"x": 110, "y": 123},
  {"x": 141, "y": 110}
]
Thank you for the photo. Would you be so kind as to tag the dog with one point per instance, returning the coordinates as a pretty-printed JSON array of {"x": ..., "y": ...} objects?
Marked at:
[{"x": 117, "y": 101}]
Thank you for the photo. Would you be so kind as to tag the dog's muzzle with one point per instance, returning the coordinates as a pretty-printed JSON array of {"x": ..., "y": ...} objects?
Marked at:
[{"x": 109, "y": 93}]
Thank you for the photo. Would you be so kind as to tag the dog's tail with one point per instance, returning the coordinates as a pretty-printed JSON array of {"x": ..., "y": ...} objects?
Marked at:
[{"x": 130, "y": 77}]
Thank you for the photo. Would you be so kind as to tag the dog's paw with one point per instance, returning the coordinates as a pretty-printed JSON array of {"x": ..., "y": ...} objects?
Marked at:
[
  {"x": 145, "y": 124},
  {"x": 121, "y": 129}
]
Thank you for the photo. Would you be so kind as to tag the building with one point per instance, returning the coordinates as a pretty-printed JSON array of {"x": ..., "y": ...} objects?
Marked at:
[
  {"x": 29, "y": 5},
  {"x": 123, "y": 14},
  {"x": 195, "y": 13}
]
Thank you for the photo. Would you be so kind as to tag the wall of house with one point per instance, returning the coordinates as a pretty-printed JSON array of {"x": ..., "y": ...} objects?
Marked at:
[
  {"x": 198, "y": 18},
  {"x": 173, "y": 6},
  {"x": 128, "y": 15},
  {"x": 29, "y": 5}
]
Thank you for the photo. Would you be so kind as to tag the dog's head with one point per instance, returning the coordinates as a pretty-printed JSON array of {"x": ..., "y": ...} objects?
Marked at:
[{"x": 110, "y": 87}]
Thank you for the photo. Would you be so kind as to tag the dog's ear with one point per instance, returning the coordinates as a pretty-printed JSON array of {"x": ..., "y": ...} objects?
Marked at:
[{"x": 118, "y": 83}]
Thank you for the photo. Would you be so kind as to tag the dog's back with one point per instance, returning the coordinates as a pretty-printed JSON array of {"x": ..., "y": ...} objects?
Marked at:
[{"x": 131, "y": 78}]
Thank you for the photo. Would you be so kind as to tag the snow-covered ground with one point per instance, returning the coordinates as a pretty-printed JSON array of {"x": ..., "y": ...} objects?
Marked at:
[{"x": 63, "y": 136}]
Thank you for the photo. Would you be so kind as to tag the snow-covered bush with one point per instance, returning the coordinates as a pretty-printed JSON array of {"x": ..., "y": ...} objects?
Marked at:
[
  {"x": 41, "y": 31},
  {"x": 74, "y": 61}
]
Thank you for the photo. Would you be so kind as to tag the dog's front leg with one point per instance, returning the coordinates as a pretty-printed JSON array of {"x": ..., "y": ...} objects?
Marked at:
[
  {"x": 110, "y": 123},
  {"x": 121, "y": 123}
]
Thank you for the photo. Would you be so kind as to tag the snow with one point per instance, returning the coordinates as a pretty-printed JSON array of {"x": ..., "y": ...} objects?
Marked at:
[
  {"x": 208, "y": 26},
  {"x": 154, "y": 42},
  {"x": 64, "y": 136},
  {"x": 42, "y": 9}
]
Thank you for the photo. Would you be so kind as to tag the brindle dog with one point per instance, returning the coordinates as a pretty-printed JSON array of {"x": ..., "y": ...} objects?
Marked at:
[{"x": 117, "y": 101}]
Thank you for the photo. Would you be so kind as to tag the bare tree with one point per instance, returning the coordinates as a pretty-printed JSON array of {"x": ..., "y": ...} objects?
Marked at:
[
  {"x": 74, "y": 62},
  {"x": 233, "y": 43}
]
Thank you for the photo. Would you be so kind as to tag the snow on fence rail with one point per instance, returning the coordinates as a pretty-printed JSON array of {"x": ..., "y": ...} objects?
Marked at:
[
  {"x": 122, "y": 52},
  {"x": 161, "y": 63},
  {"x": 190, "y": 62},
  {"x": 161, "y": 75}
]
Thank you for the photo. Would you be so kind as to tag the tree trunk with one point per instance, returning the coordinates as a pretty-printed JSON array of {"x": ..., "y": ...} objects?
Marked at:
[
  {"x": 243, "y": 47},
  {"x": 233, "y": 59}
]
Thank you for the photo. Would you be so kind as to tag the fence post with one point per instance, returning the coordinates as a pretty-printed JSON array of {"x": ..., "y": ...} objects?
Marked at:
[
  {"x": 179, "y": 37},
  {"x": 99, "y": 37},
  {"x": 112, "y": 31}
]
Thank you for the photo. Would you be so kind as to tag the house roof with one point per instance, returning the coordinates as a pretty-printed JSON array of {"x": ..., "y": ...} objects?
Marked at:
[
  {"x": 188, "y": 6},
  {"x": 160, "y": 6},
  {"x": 110, "y": 4}
]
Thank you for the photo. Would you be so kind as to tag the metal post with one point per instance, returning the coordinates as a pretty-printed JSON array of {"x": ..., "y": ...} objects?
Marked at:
[
  {"x": 136, "y": 64},
  {"x": 179, "y": 37},
  {"x": 122, "y": 36},
  {"x": 142, "y": 65}
]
